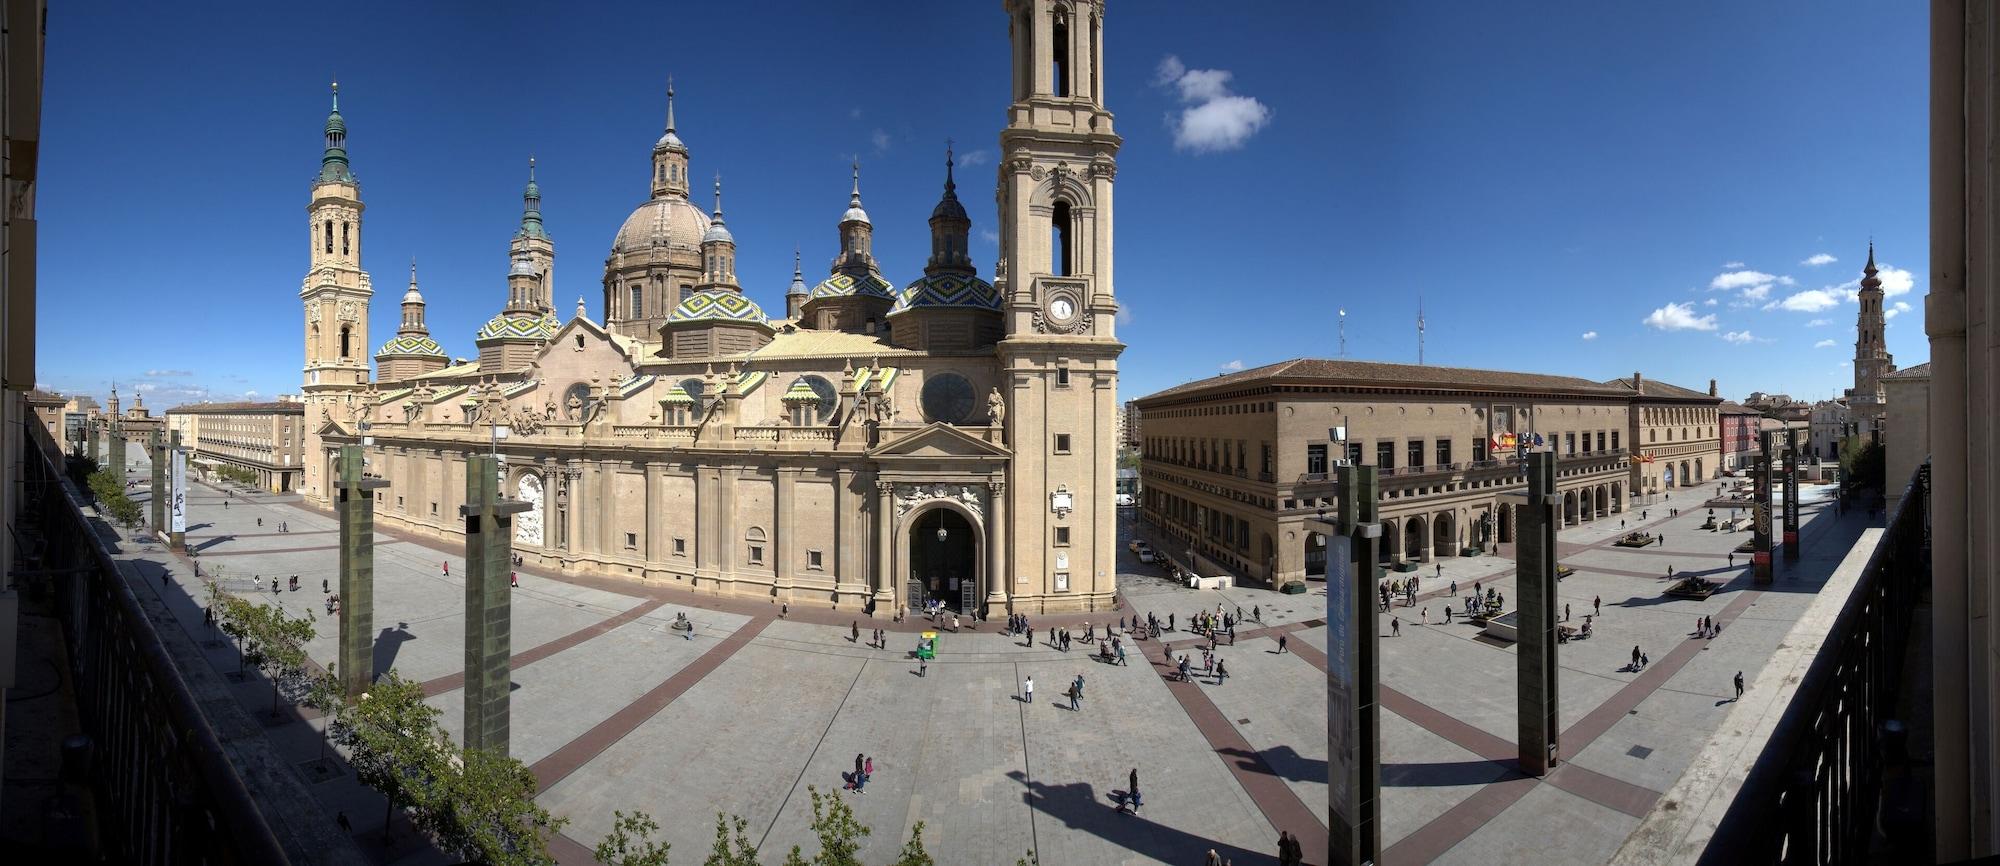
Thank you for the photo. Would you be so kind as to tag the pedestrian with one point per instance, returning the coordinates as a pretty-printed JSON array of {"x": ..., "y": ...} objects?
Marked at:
[
  {"x": 340, "y": 819},
  {"x": 513, "y": 579},
  {"x": 260, "y": 521},
  {"x": 1031, "y": 635},
  {"x": 1635, "y": 656},
  {"x": 923, "y": 665},
  {"x": 1644, "y": 660},
  {"x": 1132, "y": 791},
  {"x": 1028, "y": 690},
  {"x": 1739, "y": 685},
  {"x": 1221, "y": 672},
  {"x": 208, "y": 616},
  {"x": 1395, "y": 626},
  {"x": 445, "y": 567},
  {"x": 1597, "y": 605},
  {"x": 1073, "y": 695},
  {"x": 1454, "y": 586},
  {"x": 1119, "y": 648},
  {"x": 1281, "y": 644},
  {"x": 783, "y": 608},
  {"x": 1170, "y": 622},
  {"x": 1424, "y": 616},
  {"x": 1213, "y": 858},
  {"x": 1079, "y": 685},
  {"x": 1447, "y": 614},
  {"x": 1565, "y": 612},
  {"x": 324, "y": 588},
  {"x": 1440, "y": 570},
  {"x": 1257, "y": 613},
  {"x": 1732, "y": 559},
  {"x": 868, "y": 768}
]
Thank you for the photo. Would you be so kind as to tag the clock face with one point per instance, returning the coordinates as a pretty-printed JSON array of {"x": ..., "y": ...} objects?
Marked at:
[{"x": 1061, "y": 308}]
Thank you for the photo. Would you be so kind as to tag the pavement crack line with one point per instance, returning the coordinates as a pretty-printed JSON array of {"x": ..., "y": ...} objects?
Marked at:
[
  {"x": 1027, "y": 769},
  {"x": 807, "y": 765}
]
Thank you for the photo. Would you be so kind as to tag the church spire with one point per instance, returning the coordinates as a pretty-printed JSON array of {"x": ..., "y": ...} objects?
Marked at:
[
  {"x": 950, "y": 227},
  {"x": 333, "y": 167},
  {"x": 856, "y": 232},
  {"x": 531, "y": 206},
  {"x": 670, "y": 157}
]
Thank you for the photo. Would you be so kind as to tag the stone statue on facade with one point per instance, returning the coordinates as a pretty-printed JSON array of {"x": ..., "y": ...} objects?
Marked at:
[
  {"x": 575, "y": 410},
  {"x": 996, "y": 408}
]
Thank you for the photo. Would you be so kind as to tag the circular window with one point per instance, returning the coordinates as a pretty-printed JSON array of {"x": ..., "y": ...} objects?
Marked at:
[
  {"x": 823, "y": 410},
  {"x": 947, "y": 397}
]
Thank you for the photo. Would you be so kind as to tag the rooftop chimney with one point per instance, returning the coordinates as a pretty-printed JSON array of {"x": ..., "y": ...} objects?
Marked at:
[
  {"x": 1638, "y": 381},
  {"x": 1711, "y": 388}
]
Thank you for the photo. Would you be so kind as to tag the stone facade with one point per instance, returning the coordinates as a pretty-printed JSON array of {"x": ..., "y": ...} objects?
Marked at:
[
  {"x": 1237, "y": 468},
  {"x": 1832, "y": 423},
  {"x": 875, "y": 446},
  {"x": 1906, "y": 428},
  {"x": 265, "y": 438},
  {"x": 1676, "y": 435}
]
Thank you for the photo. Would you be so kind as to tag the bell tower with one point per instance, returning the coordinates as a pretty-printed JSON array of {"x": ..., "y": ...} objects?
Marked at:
[
  {"x": 336, "y": 292},
  {"x": 1059, "y": 357}
]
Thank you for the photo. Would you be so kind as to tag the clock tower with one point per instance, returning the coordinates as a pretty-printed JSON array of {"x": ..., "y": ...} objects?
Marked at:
[
  {"x": 336, "y": 293},
  {"x": 1059, "y": 357}
]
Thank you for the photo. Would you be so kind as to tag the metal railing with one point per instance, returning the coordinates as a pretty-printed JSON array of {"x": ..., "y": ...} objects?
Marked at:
[
  {"x": 166, "y": 790},
  {"x": 1811, "y": 796}
]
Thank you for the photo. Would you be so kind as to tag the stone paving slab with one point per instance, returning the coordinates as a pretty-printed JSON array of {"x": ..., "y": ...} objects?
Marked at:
[
  {"x": 1287, "y": 726},
  {"x": 1546, "y": 826},
  {"x": 1423, "y": 776}
]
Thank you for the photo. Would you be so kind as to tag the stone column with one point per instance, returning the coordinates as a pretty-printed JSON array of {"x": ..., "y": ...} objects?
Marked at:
[
  {"x": 1760, "y": 510},
  {"x": 1791, "y": 494},
  {"x": 157, "y": 448},
  {"x": 783, "y": 495},
  {"x": 117, "y": 453},
  {"x": 997, "y": 576},
  {"x": 176, "y": 537},
  {"x": 851, "y": 540},
  {"x": 355, "y": 505},
  {"x": 1537, "y": 705},
  {"x": 90, "y": 440},
  {"x": 885, "y": 531},
  {"x": 1353, "y": 671},
  {"x": 489, "y": 558}
]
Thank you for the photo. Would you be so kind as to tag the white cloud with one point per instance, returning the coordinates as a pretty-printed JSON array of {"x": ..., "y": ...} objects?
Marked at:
[
  {"x": 1590, "y": 335},
  {"x": 990, "y": 236},
  {"x": 1899, "y": 308},
  {"x": 1727, "y": 266},
  {"x": 975, "y": 157},
  {"x": 1708, "y": 303},
  {"x": 1824, "y": 344},
  {"x": 1812, "y": 300},
  {"x": 254, "y": 395},
  {"x": 1211, "y": 118},
  {"x": 161, "y": 374},
  {"x": 1740, "y": 280},
  {"x": 1896, "y": 281},
  {"x": 1818, "y": 322},
  {"x": 1737, "y": 336},
  {"x": 1756, "y": 293},
  {"x": 1124, "y": 312},
  {"x": 880, "y": 139},
  {"x": 1233, "y": 366},
  {"x": 1679, "y": 317},
  {"x": 1818, "y": 259},
  {"x": 854, "y": 114}
]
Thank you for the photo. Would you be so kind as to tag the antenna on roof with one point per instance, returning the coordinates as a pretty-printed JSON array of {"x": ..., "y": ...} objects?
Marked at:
[
  {"x": 1420, "y": 328},
  {"x": 1343, "y": 332}
]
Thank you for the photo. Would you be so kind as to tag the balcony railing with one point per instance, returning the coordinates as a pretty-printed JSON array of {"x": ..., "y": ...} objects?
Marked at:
[{"x": 1811, "y": 795}]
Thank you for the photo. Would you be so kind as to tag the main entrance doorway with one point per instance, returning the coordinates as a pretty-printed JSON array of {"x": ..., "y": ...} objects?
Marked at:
[{"x": 944, "y": 560}]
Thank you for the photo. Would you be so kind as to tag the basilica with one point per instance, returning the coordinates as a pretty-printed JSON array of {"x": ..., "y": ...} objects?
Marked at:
[{"x": 864, "y": 441}]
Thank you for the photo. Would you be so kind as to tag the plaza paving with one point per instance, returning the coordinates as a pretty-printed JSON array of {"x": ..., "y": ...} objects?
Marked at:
[{"x": 613, "y": 710}]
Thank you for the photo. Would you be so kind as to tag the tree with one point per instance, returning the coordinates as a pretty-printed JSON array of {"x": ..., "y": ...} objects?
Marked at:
[
  {"x": 838, "y": 831},
  {"x": 730, "y": 851},
  {"x": 485, "y": 811},
  {"x": 282, "y": 641},
  {"x": 394, "y": 743},
  {"x": 629, "y": 843},
  {"x": 124, "y": 511},
  {"x": 236, "y": 618},
  {"x": 1863, "y": 465},
  {"x": 913, "y": 850}
]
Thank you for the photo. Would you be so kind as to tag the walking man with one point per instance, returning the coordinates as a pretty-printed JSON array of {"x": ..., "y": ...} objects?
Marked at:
[
  {"x": 1281, "y": 643},
  {"x": 445, "y": 566},
  {"x": 1597, "y": 605},
  {"x": 1028, "y": 688},
  {"x": 1635, "y": 656},
  {"x": 1132, "y": 791},
  {"x": 1074, "y": 694},
  {"x": 1739, "y": 685}
]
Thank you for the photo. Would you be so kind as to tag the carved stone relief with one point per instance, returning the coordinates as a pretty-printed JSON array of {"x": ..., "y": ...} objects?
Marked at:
[{"x": 971, "y": 496}]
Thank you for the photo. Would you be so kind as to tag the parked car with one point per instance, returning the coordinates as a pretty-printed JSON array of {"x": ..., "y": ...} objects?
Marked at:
[
  {"x": 1125, "y": 500},
  {"x": 1146, "y": 554}
]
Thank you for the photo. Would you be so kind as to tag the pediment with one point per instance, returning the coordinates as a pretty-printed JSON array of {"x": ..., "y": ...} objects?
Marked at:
[
  {"x": 335, "y": 428},
  {"x": 938, "y": 440}
]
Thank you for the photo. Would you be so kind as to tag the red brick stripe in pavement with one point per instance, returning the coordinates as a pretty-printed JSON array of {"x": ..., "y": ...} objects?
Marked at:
[
  {"x": 569, "y": 852},
  {"x": 448, "y": 682},
  {"x": 575, "y": 753},
  {"x": 1279, "y": 803},
  {"x": 208, "y": 553}
]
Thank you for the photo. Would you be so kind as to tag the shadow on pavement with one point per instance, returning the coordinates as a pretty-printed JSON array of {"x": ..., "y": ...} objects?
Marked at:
[
  {"x": 1076, "y": 805},
  {"x": 388, "y": 643},
  {"x": 1284, "y": 762},
  {"x": 1446, "y": 775}
]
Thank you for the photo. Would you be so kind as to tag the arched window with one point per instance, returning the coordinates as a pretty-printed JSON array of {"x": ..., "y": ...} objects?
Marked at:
[
  {"x": 329, "y": 237},
  {"x": 1059, "y": 56},
  {"x": 1060, "y": 256},
  {"x": 345, "y": 340},
  {"x": 344, "y": 245},
  {"x": 638, "y": 308}
]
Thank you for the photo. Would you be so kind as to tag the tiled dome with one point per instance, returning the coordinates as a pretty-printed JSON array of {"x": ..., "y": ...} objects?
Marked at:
[
  {"x": 519, "y": 326},
  {"x": 715, "y": 305},
  {"x": 948, "y": 290},
  {"x": 412, "y": 344},
  {"x": 841, "y": 285}
]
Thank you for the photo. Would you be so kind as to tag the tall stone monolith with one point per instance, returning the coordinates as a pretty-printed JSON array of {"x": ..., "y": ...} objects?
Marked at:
[
  {"x": 355, "y": 506},
  {"x": 1353, "y": 672},
  {"x": 489, "y": 566}
]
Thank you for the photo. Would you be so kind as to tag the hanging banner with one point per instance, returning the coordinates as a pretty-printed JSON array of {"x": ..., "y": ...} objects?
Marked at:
[{"x": 178, "y": 485}]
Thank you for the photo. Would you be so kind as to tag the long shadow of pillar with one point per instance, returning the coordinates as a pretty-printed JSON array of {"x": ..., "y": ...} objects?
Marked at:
[
  {"x": 1537, "y": 725},
  {"x": 489, "y": 561},
  {"x": 356, "y": 507},
  {"x": 1353, "y": 672}
]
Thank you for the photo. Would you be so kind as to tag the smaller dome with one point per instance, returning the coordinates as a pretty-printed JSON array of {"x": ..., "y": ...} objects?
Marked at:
[
  {"x": 718, "y": 305},
  {"x": 670, "y": 141},
  {"x": 717, "y": 234},
  {"x": 800, "y": 392},
  {"x": 412, "y": 344},
  {"x": 949, "y": 208},
  {"x": 948, "y": 290},
  {"x": 854, "y": 214},
  {"x": 840, "y": 285},
  {"x": 519, "y": 326},
  {"x": 522, "y": 268},
  {"x": 413, "y": 296}
]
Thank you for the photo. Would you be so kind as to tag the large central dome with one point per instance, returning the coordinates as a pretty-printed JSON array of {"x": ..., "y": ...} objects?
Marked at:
[{"x": 666, "y": 223}]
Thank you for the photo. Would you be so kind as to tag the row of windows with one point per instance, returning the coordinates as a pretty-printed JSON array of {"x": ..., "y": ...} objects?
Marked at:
[
  {"x": 1653, "y": 435},
  {"x": 1229, "y": 455}
]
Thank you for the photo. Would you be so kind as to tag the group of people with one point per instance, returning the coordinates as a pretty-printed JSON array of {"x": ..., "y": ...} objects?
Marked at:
[
  {"x": 1707, "y": 627},
  {"x": 855, "y": 781},
  {"x": 1211, "y": 666}
]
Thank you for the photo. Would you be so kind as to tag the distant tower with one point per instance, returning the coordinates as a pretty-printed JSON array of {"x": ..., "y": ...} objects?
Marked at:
[
  {"x": 336, "y": 293},
  {"x": 1871, "y": 354},
  {"x": 796, "y": 295},
  {"x": 411, "y": 352},
  {"x": 533, "y": 242}
]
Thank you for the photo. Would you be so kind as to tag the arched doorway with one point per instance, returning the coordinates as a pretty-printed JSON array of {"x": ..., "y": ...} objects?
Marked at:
[
  {"x": 1603, "y": 499},
  {"x": 1392, "y": 541},
  {"x": 1685, "y": 478},
  {"x": 1315, "y": 556},
  {"x": 1698, "y": 475},
  {"x": 1445, "y": 532},
  {"x": 1617, "y": 498},
  {"x": 528, "y": 524},
  {"x": 1569, "y": 508},
  {"x": 944, "y": 558},
  {"x": 1413, "y": 539},
  {"x": 1506, "y": 524}
]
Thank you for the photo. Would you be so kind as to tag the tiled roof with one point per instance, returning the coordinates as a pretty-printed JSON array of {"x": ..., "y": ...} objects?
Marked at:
[
  {"x": 809, "y": 343},
  {"x": 1660, "y": 389},
  {"x": 1920, "y": 371},
  {"x": 241, "y": 406},
  {"x": 1411, "y": 376},
  {"x": 1731, "y": 407}
]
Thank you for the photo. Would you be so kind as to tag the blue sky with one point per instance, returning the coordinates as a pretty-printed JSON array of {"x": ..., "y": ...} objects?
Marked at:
[{"x": 1536, "y": 172}]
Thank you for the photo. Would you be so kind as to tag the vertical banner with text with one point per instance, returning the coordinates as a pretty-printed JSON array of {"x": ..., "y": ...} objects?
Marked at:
[{"x": 178, "y": 484}]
